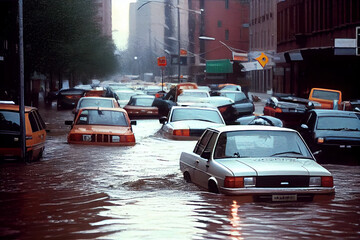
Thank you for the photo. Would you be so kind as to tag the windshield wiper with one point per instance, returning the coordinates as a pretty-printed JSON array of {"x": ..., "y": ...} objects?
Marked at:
[
  {"x": 342, "y": 129},
  {"x": 205, "y": 120},
  {"x": 290, "y": 152}
]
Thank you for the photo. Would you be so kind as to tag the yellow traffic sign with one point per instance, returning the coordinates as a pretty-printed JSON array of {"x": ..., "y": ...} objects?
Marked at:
[{"x": 262, "y": 59}]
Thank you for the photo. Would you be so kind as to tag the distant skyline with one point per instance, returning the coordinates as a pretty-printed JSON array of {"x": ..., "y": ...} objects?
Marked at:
[{"x": 120, "y": 22}]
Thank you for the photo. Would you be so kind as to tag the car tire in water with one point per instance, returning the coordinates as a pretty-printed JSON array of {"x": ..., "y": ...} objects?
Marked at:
[
  {"x": 212, "y": 186},
  {"x": 187, "y": 177}
]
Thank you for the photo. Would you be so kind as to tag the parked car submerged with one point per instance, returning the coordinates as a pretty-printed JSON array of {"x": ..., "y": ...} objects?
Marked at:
[
  {"x": 68, "y": 98},
  {"x": 268, "y": 163},
  {"x": 242, "y": 104},
  {"x": 332, "y": 131},
  {"x": 289, "y": 109},
  {"x": 101, "y": 126},
  {"x": 10, "y": 133},
  {"x": 142, "y": 106},
  {"x": 189, "y": 123}
]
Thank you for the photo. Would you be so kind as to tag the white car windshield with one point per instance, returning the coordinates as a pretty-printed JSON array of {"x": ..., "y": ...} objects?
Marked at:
[
  {"x": 208, "y": 115},
  {"x": 245, "y": 144}
]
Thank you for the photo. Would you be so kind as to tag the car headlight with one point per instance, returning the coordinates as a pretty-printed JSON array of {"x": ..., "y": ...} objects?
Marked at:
[
  {"x": 324, "y": 181},
  {"x": 115, "y": 138},
  {"x": 315, "y": 182},
  {"x": 320, "y": 140},
  {"x": 239, "y": 182},
  {"x": 249, "y": 181}
]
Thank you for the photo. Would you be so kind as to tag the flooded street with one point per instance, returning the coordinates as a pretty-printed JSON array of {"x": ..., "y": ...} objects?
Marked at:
[{"x": 88, "y": 192}]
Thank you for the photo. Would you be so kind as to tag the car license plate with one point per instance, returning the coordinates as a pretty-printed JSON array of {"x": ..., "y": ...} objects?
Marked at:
[{"x": 284, "y": 198}]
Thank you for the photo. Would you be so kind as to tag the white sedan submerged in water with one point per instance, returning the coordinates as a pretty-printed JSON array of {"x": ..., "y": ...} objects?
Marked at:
[
  {"x": 269, "y": 163},
  {"x": 189, "y": 123}
]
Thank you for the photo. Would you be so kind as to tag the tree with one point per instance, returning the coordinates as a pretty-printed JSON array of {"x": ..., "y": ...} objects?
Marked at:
[{"x": 62, "y": 37}]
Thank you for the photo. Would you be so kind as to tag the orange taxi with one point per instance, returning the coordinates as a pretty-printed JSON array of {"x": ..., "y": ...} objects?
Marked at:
[
  {"x": 10, "y": 139},
  {"x": 101, "y": 126}
]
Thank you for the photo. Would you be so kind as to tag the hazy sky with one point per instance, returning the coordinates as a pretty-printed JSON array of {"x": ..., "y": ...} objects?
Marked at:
[{"x": 120, "y": 22}]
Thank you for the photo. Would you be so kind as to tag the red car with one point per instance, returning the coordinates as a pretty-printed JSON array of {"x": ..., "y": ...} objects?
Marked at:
[{"x": 142, "y": 106}]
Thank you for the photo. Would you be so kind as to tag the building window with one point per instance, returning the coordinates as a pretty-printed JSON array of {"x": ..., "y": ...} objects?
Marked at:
[
  {"x": 226, "y": 34},
  {"x": 227, "y": 4},
  {"x": 219, "y": 23}
]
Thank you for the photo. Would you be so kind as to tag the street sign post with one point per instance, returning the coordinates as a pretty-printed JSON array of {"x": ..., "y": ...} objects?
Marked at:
[{"x": 161, "y": 61}]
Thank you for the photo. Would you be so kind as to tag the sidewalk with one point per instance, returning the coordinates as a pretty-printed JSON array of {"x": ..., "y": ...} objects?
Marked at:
[{"x": 259, "y": 105}]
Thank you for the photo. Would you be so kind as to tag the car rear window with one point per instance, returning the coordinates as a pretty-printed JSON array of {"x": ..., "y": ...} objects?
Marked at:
[
  {"x": 338, "y": 123},
  {"x": 9, "y": 121},
  {"x": 106, "y": 103},
  {"x": 325, "y": 95},
  {"x": 144, "y": 102},
  {"x": 182, "y": 114}
]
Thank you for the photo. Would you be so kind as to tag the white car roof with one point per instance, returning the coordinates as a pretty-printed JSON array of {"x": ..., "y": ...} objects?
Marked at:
[
  {"x": 196, "y": 107},
  {"x": 252, "y": 127}
]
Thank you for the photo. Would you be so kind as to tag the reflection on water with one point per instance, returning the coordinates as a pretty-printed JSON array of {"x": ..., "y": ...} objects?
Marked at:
[{"x": 87, "y": 192}]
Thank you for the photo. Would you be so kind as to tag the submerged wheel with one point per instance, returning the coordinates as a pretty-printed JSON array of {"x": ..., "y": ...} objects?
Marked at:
[
  {"x": 187, "y": 177},
  {"x": 212, "y": 186}
]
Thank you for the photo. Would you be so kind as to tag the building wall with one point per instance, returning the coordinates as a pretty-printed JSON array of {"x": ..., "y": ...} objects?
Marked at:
[
  {"x": 315, "y": 23},
  {"x": 226, "y": 21},
  {"x": 307, "y": 30},
  {"x": 263, "y": 33},
  {"x": 104, "y": 16}
]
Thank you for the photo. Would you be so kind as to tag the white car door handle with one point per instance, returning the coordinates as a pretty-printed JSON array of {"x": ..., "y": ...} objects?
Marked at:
[{"x": 197, "y": 161}]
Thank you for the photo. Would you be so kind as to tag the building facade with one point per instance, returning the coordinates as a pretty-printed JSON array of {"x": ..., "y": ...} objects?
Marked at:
[
  {"x": 103, "y": 16},
  {"x": 224, "y": 31},
  {"x": 154, "y": 33},
  {"x": 263, "y": 38},
  {"x": 308, "y": 35}
]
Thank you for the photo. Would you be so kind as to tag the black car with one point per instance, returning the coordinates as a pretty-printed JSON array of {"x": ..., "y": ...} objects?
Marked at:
[
  {"x": 332, "y": 131},
  {"x": 68, "y": 98},
  {"x": 290, "y": 109},
  {"x": 242, "y": 104}
]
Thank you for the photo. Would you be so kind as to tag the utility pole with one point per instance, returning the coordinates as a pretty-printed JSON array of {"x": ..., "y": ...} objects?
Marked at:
[
  {"x": 21, "y": 66},
  {"x": 178, "y": 22}
]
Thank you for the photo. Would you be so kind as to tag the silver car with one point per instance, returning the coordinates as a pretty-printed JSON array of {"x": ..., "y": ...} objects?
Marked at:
[
  {"x": 269, "y": 163},
  {"x": 189, "y": 123}
]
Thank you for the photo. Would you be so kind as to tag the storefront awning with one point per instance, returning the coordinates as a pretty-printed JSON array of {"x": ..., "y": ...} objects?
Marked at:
[{"x": 219, "y": 66}]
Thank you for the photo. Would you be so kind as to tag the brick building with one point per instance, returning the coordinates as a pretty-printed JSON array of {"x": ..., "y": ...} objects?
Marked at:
[{"x": 307, "y": 34}]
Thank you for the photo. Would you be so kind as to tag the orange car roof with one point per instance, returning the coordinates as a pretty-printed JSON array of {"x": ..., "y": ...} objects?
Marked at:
[{"x": 13, "y": 107}]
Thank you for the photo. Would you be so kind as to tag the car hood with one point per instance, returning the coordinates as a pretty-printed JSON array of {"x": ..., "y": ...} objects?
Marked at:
[
  {"x": 193, "y": 124},
  {"x": 273, "y": 166},
  {"x": 100, "y": 129},
  {"x": 338, "y": 134}
]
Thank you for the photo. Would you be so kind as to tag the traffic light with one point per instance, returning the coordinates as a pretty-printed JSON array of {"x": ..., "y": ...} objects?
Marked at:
[{"x": 357, "y": 41}]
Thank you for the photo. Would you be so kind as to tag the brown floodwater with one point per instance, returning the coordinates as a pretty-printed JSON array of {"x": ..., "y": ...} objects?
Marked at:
[{"x": 93, "y": 192}]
